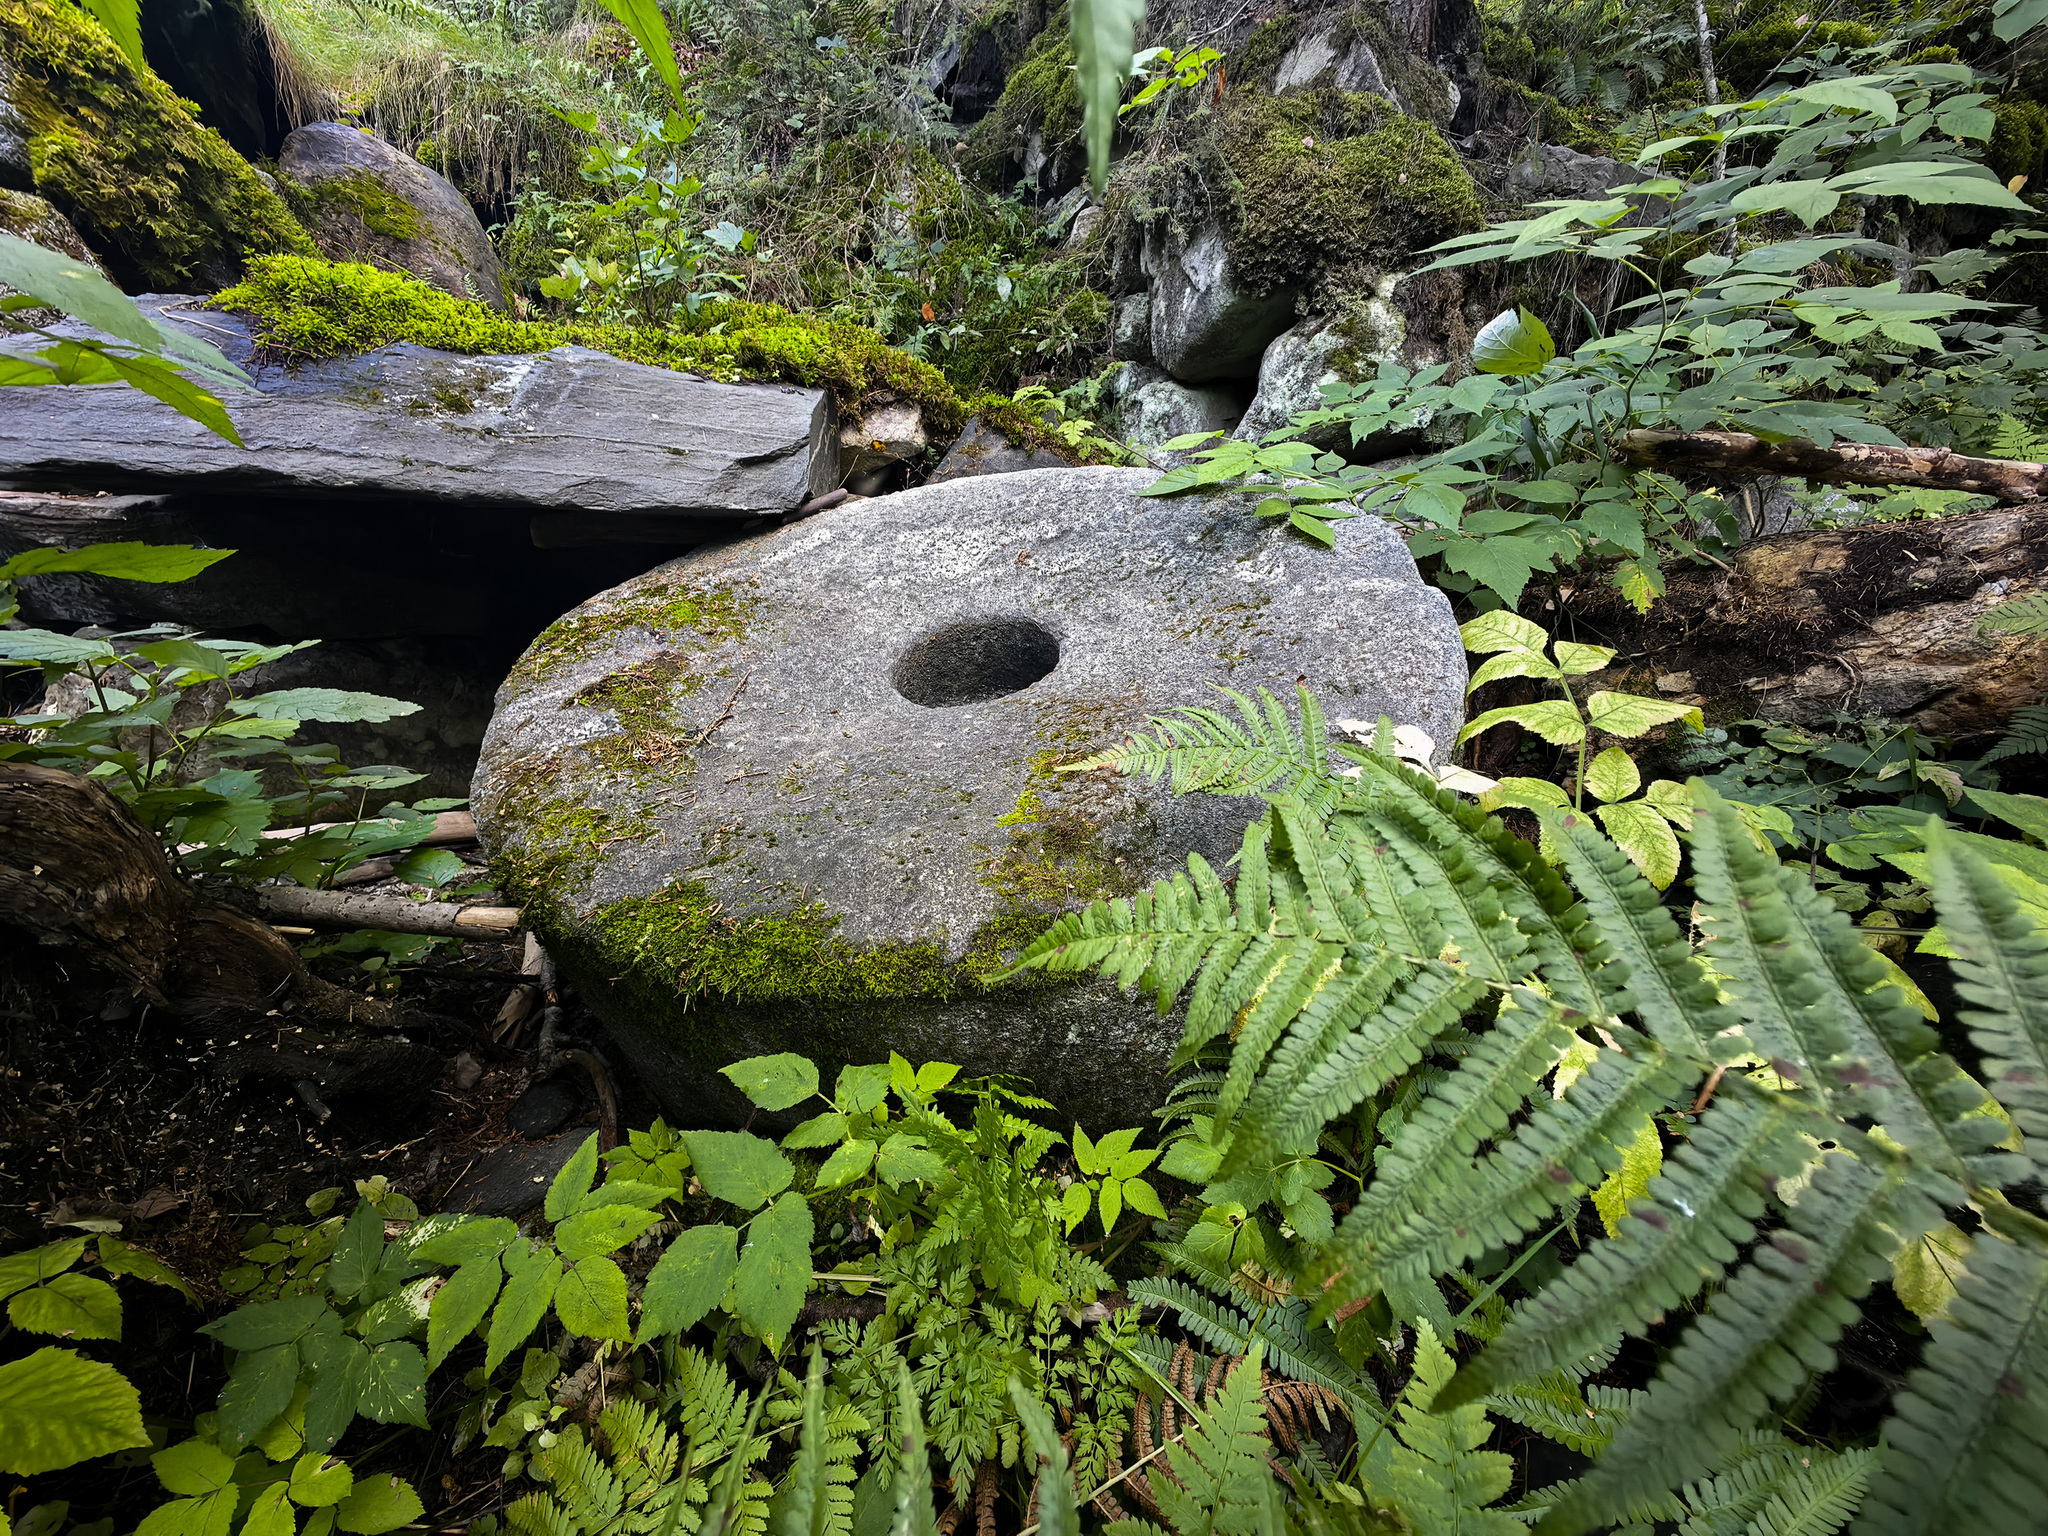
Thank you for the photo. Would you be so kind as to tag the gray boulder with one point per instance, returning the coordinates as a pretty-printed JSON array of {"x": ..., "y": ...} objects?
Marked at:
[
  {"x": 1206, "y": 324},
  {"x": 982, "y": 450},
  {"x": 1551, "y": 170},
  {"x": 1130, "y": 329},
  {"x": 597, "y": 448},
  {"x": 799, "y": 792},
  {"x": 17, "y": 172},
  {"x": 362, "y": 199},
  {"x": 1292, "y": 374},
  {"x": 1153, "y": 409}
]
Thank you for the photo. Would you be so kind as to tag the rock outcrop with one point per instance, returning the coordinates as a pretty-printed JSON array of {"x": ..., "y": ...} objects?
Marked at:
[
  {"x": 602, "y": 448},
  {"x": 800, "y": 792},
  {"x": 365, "y": 200},
  {"x": 1153, "y": 409},
  {"x": 1206, "y": 322},
  {"x": 982, "y": 450}
]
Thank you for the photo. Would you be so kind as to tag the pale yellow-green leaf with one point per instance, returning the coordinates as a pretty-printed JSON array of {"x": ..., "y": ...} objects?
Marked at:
[
  {"x": 1501, "y": 629},
  {"x": 1925, "y": 1272},
  {"x": 1577, "y": 660},
  {"x": 1613, "y": 775},
  {"x": 1645, "y": 836},
  {"x": 1895, "y": 977},
  {"x": 1629, "y": 714},
  {"x": 1529, "y": 794},
  {"x": 1642, "y": 1162},
  {"x": 1518, "y": 661},
  {"x": 1572, "y": 1065},
  {"x": 1555, "y": 720},
  {"x": 1672, "y": 801}
]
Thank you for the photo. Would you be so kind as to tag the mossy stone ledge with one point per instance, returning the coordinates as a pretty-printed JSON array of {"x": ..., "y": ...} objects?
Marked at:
[{"x": 804, "y": 791}]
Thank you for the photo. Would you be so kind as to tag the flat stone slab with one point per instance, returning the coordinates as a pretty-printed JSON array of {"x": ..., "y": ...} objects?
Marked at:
[
  {"x": 567, "y": 432},
  {"x": 800, "y": 791}
]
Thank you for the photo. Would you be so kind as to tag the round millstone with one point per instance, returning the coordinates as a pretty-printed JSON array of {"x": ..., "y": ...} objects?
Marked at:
[{"x": 802, "y": 792}]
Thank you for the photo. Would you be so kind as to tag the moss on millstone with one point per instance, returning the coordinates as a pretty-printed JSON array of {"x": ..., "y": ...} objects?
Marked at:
[
  {"x": 1334, "y": 183},
  {"x": 305, "y": 308},
  {"x": 665, "y": 604},
  {"x": 160, "y": 197}
]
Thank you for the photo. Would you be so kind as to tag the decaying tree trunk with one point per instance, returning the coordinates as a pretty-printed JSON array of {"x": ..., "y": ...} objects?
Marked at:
[
  {"x": 1739, "y": 454},
  {"x": 80, "y": 874},
  {"x": 1881, "y": 619}
]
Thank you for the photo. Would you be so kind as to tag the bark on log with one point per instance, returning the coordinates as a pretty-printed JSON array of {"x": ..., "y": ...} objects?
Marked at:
[
  {"x": 1739, "y": 454},
  {"x": 82, "y": 876},
  {"x": 1881, "y": 619},
  {"x": 397, "y": 914}
]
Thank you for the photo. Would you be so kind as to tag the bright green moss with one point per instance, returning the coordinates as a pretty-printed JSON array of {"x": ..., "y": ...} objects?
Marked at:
[
  {"x": 1750, "y": 55},
  {"x": 670, "y": 605},
  {"x": 1556, "y": 123},
  {"x": 2019, "y": 140},
  {"x": 161, "y": 198},
  {"x": 1042, "y": 95},
  {"x": 356, "y": 197},
  {"x": 1335, "y": 182},
  {"x": 311, "y": 308}
]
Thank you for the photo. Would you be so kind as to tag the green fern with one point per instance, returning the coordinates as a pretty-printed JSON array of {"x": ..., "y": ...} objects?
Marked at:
[
  {"x": 2017, "y": 616},
  {"x": 1386, "y": 942},
  {"x": 2027, "y": 734},
  {"x": 1438, "y": 1475},
  {"x": 1282, "y": 1335},
  {"x": 1966, "y": 1449}
]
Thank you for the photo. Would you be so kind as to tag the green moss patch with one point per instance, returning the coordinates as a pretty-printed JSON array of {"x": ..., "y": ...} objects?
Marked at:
[
  {"x": 1336, "y": 183},
  {"x": 2019, "y": 139},
  {"x": 306, "y": 308},
  {"x": 162, "y": 198},
  {"x": 355, "y": 199}
]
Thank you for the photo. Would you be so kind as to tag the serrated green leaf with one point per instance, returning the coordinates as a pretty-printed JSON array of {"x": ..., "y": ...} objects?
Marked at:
[
  {"x": 459, "y": 1305},
  {"x": 572, "y": 1182},
  {"x": 1641, "y": 832},
  {"x": 1628, "y": 714},
  {"x": 1576, "y": 660},
  {"x": 775, "y": 1082},
  {"x": 861, "y": 1088},
  {"x": 270, "y": 1513},
  {"x": 463, "y": 1239},
  {"x": 378, "y": 1504},
  {"x": 846, "y": 1164},
  {"x": 826, "y": 1130},
  {"x": 331, "y": 706},
  {"x": 904, "y": 1159},
  {"x": 591, "y": 1300},
  {"x": 688, "y": 1281},
  {"x": 530, "y": 1279},
  {"x": 18, "y": 1271},
  {"x": 1502, "y": 630},
  {"x": 1555, "y": 720},
  {"x": 69, "y": 1306},
  {"x": 603, "y": 1230},
  {"x": 774, "y": 1268},
  {"x": 319, "y": 1480},
  {"x": 194, "y": 1467},
  {"x": 58, "y": 1408},
  {"x": 119, "y": 1258},
  {"x": 259, "y": 1389},
  {"x": 393, "y": 1388},
  {"x": 738, "y": 1167},
  {"x": 1514, "y": 342}
]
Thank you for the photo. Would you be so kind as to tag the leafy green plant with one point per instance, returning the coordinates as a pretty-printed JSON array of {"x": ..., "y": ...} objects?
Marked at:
[
  {"x": 159, "y": 720},
  {"x": 1739, "y": 328},
  {"x": 152, "y": 355},
  {"x": 258, "y": 1494},
  {"x": 1642, "y": 828},
  {"x": 1161, "y": 69},
  {"x": 1378, "y": 921},
  {"x": 1103, "y": 32},
  {"x": 58, "y": 1407}
]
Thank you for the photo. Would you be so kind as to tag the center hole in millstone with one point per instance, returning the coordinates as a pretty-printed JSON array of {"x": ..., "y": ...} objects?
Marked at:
[{"x": 975, "y": 659}]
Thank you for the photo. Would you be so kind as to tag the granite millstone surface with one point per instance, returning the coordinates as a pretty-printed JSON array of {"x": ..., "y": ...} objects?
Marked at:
[
  {"x": 799, "y": 792},
  {"x": 568, "y": 432}
]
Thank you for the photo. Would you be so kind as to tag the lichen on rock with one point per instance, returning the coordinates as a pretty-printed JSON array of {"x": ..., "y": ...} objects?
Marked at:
[{"x": 160, "y": 198}]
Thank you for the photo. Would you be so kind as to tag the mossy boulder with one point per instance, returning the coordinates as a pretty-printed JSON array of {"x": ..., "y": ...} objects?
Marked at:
[
  {"x": 366, "y": 201},
  {"x": 803, "y": 792},
  {"x": 161, "y": 199},
  {"x": 28, "y": 217}
]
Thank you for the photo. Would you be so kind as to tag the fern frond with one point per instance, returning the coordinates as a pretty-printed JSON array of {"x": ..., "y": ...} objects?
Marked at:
[
  {"x": 1219, "y": 1467},
  {"x": 1555, "y": 1408},
  {"x": 1680, "y": 1237},
  {"x": 1197, "y": 749},
  {"x": 2017, "y": 616},
  {"x": 1441, "y": 1477},
  {"x": 1816, "y": 1494},
  {"x": 1336, "y": 1056},
  {"x": 1668, "y": 988},
  {"x": 2026, "y": 734},
  {"x": 1567, "y": 1146},
  {"x": 2001, "y": 970},
  {"x": 1284, "y": 1336},
  {"x": 1776, "y": 1321},
  {"x": 1967, "y": 1445}
]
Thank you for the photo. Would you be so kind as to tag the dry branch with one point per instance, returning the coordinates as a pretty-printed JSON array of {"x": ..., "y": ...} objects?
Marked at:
[
  {"x": 1738, "y": 453},
  {"x": 394, "y": 914}
]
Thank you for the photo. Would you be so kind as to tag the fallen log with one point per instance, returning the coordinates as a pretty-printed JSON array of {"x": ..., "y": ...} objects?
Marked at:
[
  {"x": 93, "y": 887},
  {"x": 1883, "y": 619},
  {"x": 1747, "y": 457},
  {"x": 395, "y": 914}
]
